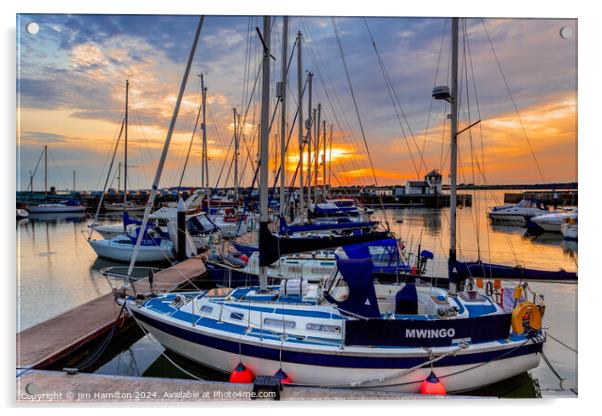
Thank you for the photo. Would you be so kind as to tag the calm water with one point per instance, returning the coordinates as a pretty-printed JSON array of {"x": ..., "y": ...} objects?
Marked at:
[{"x": 58, "y": 271}]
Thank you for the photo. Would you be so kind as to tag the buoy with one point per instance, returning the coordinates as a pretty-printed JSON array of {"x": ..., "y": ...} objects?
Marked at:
[
  {"x": 283, "y": 377},
  {"x": 244, "y": 258},
  {"x": 480, "y": 283},
  {"x": 432, "y": 385},
  {"x": 241, "y": 374},
  {"x": 413, "y": 271},
  {"x": 497, "y": 283}
]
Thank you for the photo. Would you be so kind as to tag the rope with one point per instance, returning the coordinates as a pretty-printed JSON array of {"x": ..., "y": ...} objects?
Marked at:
[{"x": 561, "y": 343}]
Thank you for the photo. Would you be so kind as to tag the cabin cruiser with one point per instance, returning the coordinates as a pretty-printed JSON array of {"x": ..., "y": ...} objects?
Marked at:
[
  {"x": 348, "y": 331},
  {"x": 518, "y": 213},
  {"x": 552, "y": 222}
]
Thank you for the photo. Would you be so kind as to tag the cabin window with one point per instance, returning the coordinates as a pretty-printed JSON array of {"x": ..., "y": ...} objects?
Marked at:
[
  {"x": 339, "y": 289},
  {"x": 279, "y": 323},
  {"x": 323, "y": 328},
  {"x": 206, "y": 309},
  {"x": 238, "y": 316}
]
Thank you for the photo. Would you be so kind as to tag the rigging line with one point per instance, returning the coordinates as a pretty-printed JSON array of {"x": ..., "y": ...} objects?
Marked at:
[
  {"x": 338, "y": 114},
  {"x": 196, "y": 123},
  {"x": 428, "y": 120},
  {"x": 36, "y": 169},
  {"x": 474, "y": 213},
  {"x": 499, "y": 65},
  {"x": 383, "y": 70},
  {"x": 395, "y": 97},
  {"x": 357, "y": 111}
]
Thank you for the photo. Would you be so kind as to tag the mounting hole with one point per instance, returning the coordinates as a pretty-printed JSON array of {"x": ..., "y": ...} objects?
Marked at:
[
  {"x": 32, "y": 28},
  {"x": 566, "y": 32}
]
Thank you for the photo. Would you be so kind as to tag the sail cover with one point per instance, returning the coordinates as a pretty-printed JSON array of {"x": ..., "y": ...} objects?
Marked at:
[{"x": 272, "y": 247}]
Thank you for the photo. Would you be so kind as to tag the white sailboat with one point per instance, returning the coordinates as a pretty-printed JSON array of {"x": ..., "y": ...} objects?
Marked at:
[{"x": 68, "y": 205}]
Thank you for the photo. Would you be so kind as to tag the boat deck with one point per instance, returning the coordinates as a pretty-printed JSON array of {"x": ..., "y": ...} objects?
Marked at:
[{"x": 54, "y": 339}]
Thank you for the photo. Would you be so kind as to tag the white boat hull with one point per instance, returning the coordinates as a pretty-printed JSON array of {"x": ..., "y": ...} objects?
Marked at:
[
  {"x": 452, "y": 377},
  {"x": 54, "y": 208},
  {"x": 123, "y": 253}
]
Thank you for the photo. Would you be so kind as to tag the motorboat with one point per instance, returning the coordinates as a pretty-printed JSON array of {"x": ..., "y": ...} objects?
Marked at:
[
  {"x": 552, "y": 222},
  {"x": 518, "y": 213}
]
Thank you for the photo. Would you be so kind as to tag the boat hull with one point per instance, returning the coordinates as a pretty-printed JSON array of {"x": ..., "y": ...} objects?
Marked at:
[
  {"x": 51, "y": 209},
  {"x": 462, "y": 372},
  {"x": 123, "y": 253}
]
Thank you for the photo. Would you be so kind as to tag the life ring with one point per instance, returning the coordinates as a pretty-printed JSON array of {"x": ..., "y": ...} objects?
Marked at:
[{"x": 518, "y": 313}]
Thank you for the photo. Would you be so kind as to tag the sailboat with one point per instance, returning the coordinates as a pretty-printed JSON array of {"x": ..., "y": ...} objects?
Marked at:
[
  {"x": 125, "y": 205},
  {"x": 346, "y": 332},
  {"x": 68, "y": 205}
]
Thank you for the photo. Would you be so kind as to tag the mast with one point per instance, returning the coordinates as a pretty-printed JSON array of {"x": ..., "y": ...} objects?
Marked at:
[
  {"x": 283, "y": 112},
  {"x": 317, "y": 153},
  {"x": 324, "y": 162},
  {"x": 125, "y": 157},
  {"x": 330, "y": 159},
  {"x": 73, "y": 181},
  {"x": 205, "y": 158},
  {"x": 46, "y": 171},
  {"x": 172, "y": 124},
  {"x": 118, "y": 177},
  {"x": 454, "y": 148},
  {"x": 264, "y": 147},
  {"x": 309, "y": 150},
  {"x": 300, "y": 118},
  {"x": 235, "y": 155}
]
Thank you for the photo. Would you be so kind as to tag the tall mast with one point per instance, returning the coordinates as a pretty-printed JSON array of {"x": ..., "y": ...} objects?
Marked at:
[
  {"x": 309, "y": 150},
  {"x": 330, "y": 160},
  {"x": 118, "y": 178},
  {"x": 45, "y": 171},
  {"x": 324, "y": 161},
  {"x": 300, "y": 121},
  {"x": 125, "y": 157},
  {"x": 235, "y": 155},
  {"x": 454, "y": 147},
  {"x": 283, "y": 113},
  {"x": 264, "y": 146},
  {"x": 204, "y": 131},
  {"x": 317, "y": 153},
  {"x": 73, "y": 181},
  {"x": 163, "y": 157}
]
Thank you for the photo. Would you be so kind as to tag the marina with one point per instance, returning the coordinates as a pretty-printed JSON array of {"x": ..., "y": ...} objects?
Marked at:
[{"x": 263, "y": 280}]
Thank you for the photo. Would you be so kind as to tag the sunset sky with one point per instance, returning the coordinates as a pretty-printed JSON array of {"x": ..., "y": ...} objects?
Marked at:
[{"x": 71, "y": 79}]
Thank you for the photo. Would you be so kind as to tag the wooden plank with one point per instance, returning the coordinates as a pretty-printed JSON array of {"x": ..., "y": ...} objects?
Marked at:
[{"x": 53, "y": 339}]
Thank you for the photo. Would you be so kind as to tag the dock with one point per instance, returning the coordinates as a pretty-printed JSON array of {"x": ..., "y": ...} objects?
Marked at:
[
  {"x": 53, "y": 341},
  {"x": 565, "y": 198},
  {"x": 60, "y": 387}
]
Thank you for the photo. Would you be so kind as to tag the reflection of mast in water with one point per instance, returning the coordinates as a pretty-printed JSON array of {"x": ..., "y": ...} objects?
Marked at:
[{"x": 432, "y": 221}]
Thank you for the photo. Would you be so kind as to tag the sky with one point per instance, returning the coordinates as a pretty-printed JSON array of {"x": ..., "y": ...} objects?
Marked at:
[{"x": 373, "y": 82}]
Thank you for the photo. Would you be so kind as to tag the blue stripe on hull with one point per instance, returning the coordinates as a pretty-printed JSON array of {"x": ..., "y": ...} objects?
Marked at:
[{"x": 331, "y": 360}]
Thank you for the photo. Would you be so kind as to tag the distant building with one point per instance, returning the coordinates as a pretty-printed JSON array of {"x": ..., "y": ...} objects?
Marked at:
[
  {"x": 435, "y": 181},
  {"x": 431, "y": 185}
]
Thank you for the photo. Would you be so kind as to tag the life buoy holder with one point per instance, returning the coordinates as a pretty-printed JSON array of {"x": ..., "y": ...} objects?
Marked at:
[{"x": 534, "y": 312}]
